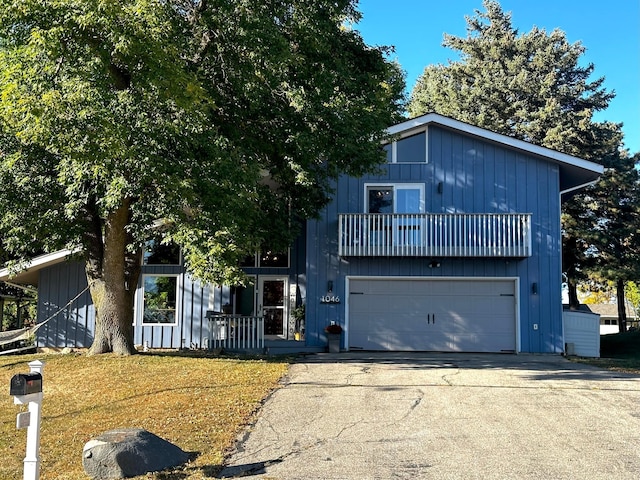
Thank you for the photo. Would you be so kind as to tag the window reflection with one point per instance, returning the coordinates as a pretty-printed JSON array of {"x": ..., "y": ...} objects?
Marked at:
[
  {"x": 160, "y": 293},
  {"x": 157, "y": 253}
]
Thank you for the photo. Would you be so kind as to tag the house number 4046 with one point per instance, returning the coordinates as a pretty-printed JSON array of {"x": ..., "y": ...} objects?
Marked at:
[{"x": 330, "y": 299}]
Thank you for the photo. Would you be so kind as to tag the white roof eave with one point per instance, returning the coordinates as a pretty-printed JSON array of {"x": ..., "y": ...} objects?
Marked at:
[{"x": 29, "y": 272}]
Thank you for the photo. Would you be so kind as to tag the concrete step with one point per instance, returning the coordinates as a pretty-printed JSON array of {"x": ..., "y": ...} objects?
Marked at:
[{"x": 292, "y": 349}]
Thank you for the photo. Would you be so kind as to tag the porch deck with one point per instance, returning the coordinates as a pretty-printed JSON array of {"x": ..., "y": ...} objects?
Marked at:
[
  {"x": 435, "y": 235},
  {"x": 245, "y": 334}
]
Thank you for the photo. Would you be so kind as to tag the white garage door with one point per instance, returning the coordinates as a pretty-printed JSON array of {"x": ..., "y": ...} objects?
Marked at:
[{"x": 448, "y": 315}]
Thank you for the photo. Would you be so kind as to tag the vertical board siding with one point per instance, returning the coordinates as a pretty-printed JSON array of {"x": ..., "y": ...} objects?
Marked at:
[
  {"x": 477, "y": 177},
  {"x": 73, "y": 326}
]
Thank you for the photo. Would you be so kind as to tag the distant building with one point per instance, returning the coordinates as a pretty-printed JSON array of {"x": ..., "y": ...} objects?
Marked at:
[{"x": 609, "y": 316}]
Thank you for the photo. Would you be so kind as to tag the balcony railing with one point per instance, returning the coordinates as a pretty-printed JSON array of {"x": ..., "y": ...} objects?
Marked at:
[
  {"x": 235, "y": 332},
  {"x": 435, "y": 235}
]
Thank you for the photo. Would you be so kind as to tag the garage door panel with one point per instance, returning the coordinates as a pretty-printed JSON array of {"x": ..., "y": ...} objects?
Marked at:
[
  {"x": 392, "y": 305},
  {"x": 475, "y": 314},
  {"x": 483, "y": 343},
  {"x": 385, "y": 287},
  {"x": 395, "y": 341},
  {"x": 432, "y": 315},
  {"x": 358, "y": 303}
]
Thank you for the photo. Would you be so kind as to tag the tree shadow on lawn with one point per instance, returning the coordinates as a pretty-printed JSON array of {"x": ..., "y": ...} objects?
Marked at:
[
  {"x": 218, "y": 355},
  {"x": 207, "y": 471},
  {"x": 187, "y": 470}
]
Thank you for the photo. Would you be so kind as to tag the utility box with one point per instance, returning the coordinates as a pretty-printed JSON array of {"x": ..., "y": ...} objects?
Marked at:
[{"x": 25, "y": 384}]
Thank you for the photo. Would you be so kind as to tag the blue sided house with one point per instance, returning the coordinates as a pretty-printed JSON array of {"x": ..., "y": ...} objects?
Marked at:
[{"x": 453, "y": 245}]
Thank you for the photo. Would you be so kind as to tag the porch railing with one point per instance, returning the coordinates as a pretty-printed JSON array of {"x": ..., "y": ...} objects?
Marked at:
[
  {"x": 435, "y": 235},
  {"x": 235, "y": 332}
]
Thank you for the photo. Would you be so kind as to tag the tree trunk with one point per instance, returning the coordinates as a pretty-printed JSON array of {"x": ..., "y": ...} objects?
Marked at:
[
  {"x": 569, "y": 263},
  {"x": 622, "y": 311},
  {"x": 112, "y": 274},
  {"x": 572, "y": 287},
  {"x": 114, "y": 320}
]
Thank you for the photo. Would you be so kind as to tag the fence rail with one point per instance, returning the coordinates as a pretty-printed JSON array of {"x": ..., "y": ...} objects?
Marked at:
[
  {"x": 435, "y": 235},
  {"x": 235, "y": 332}
]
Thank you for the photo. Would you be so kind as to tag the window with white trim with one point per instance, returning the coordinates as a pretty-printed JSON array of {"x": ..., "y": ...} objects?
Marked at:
[
  {"x": 397, "y": 207},
  {"x": 409, "y": 149},
  {"x": 159, "y": 299},
  {"x": 395, "y": 198}
]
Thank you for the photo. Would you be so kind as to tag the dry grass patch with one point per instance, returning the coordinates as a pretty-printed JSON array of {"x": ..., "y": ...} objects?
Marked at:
[{"x": 198, "y": 402}]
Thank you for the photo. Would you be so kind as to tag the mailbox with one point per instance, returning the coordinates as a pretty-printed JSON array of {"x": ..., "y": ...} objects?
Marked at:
[{"x": 26, "y": 384}]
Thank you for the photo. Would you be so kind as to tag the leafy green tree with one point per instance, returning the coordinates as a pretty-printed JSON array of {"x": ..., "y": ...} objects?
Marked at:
[
  {"x": 529, "y": 86},
  {"x": 214, "y": 124}
]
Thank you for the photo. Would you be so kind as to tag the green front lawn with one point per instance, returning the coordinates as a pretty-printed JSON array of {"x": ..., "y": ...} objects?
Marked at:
[{"x": 195, "y": 401}]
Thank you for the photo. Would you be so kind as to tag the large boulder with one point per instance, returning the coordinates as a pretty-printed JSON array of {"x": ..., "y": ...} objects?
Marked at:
[{"x": 128, "y": 452}]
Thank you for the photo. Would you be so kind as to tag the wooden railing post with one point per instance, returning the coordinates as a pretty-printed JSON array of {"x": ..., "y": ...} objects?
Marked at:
[{"x": 235, "y": 332}]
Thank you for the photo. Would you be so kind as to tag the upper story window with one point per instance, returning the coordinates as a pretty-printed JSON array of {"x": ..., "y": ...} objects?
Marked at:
[
  {"x": 270, "y": 258},
  {"x": 411, "y": 149},
  {"x": 156, "y": 253},
  {"x": 395, "y": 198},
  {"x": 267, "y": 259}
]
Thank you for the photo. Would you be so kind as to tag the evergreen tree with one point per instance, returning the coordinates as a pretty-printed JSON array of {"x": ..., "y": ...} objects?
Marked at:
[
  {"x": 529, "y": 86},
  {"x": 609, "y": 228}
]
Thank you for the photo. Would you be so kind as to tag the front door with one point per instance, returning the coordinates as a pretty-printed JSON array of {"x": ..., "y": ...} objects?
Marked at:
[{"x": 272, "y": 302}]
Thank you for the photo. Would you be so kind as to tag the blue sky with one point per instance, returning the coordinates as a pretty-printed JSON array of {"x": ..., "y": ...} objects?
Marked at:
[{"x": 609, "y": 29}]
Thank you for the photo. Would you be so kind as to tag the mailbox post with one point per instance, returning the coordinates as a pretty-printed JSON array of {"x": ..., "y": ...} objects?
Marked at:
[{"x": 26, "y": 388}]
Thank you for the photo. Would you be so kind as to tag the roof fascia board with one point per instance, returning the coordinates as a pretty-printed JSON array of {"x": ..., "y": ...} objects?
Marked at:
[
  {"x": 38, "y": 263},
  {"x": 434, "y": 118}
]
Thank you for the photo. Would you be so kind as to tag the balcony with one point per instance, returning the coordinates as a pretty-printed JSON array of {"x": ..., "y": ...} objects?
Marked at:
[{"x": 435, "y": 235}]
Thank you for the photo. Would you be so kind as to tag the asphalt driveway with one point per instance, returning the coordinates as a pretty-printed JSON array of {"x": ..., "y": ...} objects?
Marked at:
[{"x": 444, "y": 416}]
